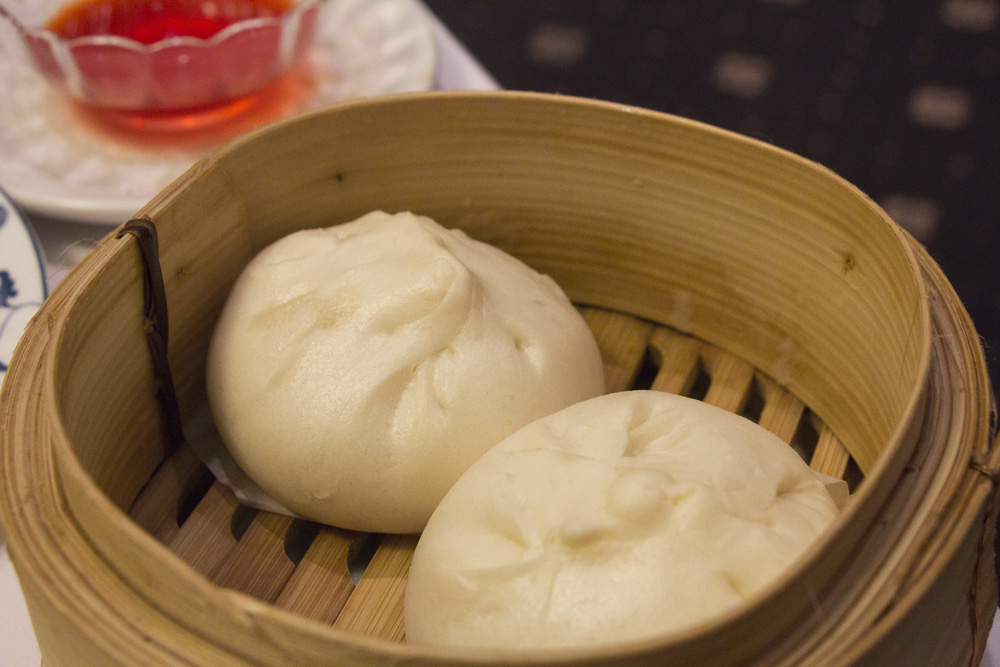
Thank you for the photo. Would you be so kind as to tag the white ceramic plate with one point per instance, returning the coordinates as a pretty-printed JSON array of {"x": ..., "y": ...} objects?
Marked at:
[
  {"x": 54, "y": 163},
  {"x": 22, "y": 279}
]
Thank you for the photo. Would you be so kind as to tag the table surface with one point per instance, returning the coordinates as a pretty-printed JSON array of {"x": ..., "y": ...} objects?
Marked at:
[{"x": 899, "y": 98}]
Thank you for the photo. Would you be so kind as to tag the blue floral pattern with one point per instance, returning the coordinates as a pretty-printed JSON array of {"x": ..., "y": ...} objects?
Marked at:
[{"x": 22, "y": 279}]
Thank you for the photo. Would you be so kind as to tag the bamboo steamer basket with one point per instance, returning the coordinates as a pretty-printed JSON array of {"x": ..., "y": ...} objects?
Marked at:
[{"x": 706, "y": 263}]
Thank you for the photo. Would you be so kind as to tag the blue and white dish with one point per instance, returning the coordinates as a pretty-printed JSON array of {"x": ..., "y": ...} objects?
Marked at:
[{"x": 22, "y": 278}]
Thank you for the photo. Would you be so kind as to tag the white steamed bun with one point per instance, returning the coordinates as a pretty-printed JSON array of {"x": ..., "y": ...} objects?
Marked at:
[
  {"x": 621, "y": 517},
  {"x": 357, "y": 371}
]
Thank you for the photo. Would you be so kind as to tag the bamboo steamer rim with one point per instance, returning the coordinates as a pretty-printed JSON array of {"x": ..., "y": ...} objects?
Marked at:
[
  {"x": 901, "y": 439},
  {"x": 70, "y": 466}
]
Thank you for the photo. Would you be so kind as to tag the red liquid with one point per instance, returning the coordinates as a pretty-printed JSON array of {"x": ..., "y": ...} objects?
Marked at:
[
  {"x": 188, "y": 123},
  {"x": 148, "y": 21},
  {"x": 206, "y": 127}
]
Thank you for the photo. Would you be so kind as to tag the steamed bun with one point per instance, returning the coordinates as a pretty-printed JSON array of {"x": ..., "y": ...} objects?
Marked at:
[
  {"x": 624, "y": 516},
  {"x": 357, "y": 371}
]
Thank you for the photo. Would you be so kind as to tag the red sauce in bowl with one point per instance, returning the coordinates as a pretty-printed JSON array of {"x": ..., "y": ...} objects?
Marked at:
[
  {"x": 149, "y": 21},
  {"x": 179, "y": 86}
]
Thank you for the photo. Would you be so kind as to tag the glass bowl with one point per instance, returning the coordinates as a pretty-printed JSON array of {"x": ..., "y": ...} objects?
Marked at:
[{"x": 210, "y": 52}]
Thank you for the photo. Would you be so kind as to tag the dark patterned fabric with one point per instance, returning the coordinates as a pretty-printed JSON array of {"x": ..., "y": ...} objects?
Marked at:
[{"x": 901, "y": 98}]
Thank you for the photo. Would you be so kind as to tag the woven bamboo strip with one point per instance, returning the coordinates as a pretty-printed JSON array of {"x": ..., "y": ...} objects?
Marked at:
[
  {"x": 258, "y": 566},
  {"x": 375, "y": 609},
  {"x": 622, "y": 340},
  {"x": 322, "y": 583},
  {"x": 206, "y": 539},
  {"x": 679, "y": 361},
  {"x": 155, "y": 508}
]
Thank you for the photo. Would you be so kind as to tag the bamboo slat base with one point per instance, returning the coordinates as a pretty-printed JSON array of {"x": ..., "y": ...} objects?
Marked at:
[{"x": 306, "y": 568}]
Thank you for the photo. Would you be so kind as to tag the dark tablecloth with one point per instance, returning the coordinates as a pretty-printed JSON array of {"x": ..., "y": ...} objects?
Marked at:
[{"x": 901, "y": 98}]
